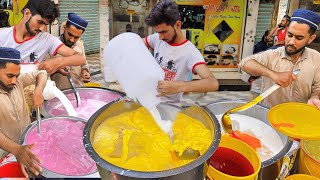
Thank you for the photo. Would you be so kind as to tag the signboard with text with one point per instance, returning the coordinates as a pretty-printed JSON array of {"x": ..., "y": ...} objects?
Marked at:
[
  {"x": 223, "y": 25},
  {"x": 223, "y": 32}
]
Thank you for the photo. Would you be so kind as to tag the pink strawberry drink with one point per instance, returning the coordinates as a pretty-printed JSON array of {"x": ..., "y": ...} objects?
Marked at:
[{"x": 60, "y": 147}]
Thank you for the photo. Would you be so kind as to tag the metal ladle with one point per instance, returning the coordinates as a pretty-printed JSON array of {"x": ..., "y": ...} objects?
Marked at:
[
  {"x": 74, "y": 89},
  {"x": 38, "y": 118},
  {"x": 226, "y": 121}
]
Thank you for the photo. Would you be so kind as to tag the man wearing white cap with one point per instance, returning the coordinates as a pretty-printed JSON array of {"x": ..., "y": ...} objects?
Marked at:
[
  {"x": 276, "y": 66},
  {"x": 13, "y": 111},
  {"x": 71, "y": 31}
]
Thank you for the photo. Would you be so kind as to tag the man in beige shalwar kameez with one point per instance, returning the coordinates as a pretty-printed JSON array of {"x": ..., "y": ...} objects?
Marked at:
[
  {"x": 71, "y": 31},
  {"x": 276, "y": 66}
]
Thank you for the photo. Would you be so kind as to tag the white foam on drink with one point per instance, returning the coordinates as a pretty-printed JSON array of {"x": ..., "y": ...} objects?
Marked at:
[{"x": 271, "y": 141}]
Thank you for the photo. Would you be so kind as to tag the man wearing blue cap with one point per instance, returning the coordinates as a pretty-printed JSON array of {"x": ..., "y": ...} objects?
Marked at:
[
  {"x": 276, "y": 66},
  {"x": 30, "y": 38},
  {"x": 13, "y": 111},
  {"x": 71, "y": 31}
]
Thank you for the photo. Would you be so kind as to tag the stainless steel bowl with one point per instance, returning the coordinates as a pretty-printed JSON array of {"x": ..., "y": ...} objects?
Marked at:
[
  {"x": 270, "y": 168},
  {"x": 45, "y": 172},
  {"x": 195, "y": 170},
  {"x": 95, "y": 93}
]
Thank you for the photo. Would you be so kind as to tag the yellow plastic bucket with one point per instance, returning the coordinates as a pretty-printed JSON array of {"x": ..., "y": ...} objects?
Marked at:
[
  {"x": 301, "y": 177},
  {"x": 309, "y": 160},
  {"x": 245, "y": 150}
]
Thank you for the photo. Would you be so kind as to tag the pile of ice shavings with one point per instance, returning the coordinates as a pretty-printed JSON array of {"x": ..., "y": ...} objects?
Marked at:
[
  {"x": 271, "y": 141},
  {"x": 87, "y": 108},
  {"x": 60, "y": 147}
]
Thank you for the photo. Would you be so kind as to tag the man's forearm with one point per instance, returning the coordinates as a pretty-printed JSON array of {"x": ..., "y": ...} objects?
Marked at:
[
  {"x": 272, "y": 31},
  {"x": 41, "y": 82},
  {"x": 74, "y": 60},
  {"x": 7, "y": 144},
  {"x": 254, "y": 68},
  {"x": 202, "y": 85}
]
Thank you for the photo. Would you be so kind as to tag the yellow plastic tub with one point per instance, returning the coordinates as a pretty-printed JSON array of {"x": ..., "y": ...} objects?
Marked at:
[
  {"x": 301, "y": 177},
  {"x": 309, "y": 160},
  {"x": 246, "y": 151}
]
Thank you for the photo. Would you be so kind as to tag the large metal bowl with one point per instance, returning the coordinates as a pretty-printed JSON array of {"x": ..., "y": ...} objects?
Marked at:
[
  {"x": 46, "y": 172},
  {"x": 91, "y": 93},
  {"x": 195, "y": 170},
  {"x": 270, "y": 168}
]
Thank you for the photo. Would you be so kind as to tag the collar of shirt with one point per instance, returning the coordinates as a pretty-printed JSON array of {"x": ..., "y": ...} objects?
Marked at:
[{"x": 303, "y": 56}]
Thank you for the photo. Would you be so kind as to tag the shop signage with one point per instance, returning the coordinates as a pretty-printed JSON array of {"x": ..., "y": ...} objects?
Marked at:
[{"x": 222, "y": 33}]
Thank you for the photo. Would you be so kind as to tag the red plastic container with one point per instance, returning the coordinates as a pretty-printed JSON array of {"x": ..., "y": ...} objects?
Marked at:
[{"x": 10, "y": 170}]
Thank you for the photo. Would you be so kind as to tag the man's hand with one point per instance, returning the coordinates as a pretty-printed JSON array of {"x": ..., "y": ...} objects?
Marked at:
[
  {"x": 279, "y": 25},
  {"x": 314, "y": 101},
  {"x": 37, "y": 99},
  {"x": 169, "y": 87},
  {"x": 28, "y": 160},
  {"x": 63, "y": 71},
  {"x": 51, "y": 65},
  {"x": 85, "y": 76},
  {"x": 284, "y": 79}
]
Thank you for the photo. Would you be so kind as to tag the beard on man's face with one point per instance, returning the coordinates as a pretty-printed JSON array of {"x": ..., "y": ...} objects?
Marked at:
[
  {"x": 29, "y": 29},
  {"x": 294, "y": 51},
  {"x": 5, "y": 87},
  {"x": 173, "y": 38},
  {"x": 67, "y": 42}
]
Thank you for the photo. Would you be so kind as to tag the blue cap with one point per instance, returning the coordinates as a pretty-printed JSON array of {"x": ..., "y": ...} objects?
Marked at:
[
  {"x": 77, "y": 21},
  {"x": 307, "y": 17},
  {"x": 9, "y": 55}
]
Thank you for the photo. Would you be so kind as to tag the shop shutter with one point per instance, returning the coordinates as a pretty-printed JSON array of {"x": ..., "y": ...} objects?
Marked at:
[
  {"x": 264, "y": 19},
  {"x": 89, "y": 10}
]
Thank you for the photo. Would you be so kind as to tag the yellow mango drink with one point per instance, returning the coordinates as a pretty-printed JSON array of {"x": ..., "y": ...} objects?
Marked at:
[{"x": 134, "y": 141}]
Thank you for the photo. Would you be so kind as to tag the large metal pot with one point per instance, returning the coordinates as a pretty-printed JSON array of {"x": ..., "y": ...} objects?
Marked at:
[
  {"x": 195, "y": 170},
  {"x": 46, "y": 172},
  {"x": 92, "y": 93},
  {"x": 270, "y": 168}
]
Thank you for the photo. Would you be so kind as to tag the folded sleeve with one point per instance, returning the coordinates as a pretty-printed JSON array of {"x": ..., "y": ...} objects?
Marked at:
[{"x": 28, "y": 79}]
